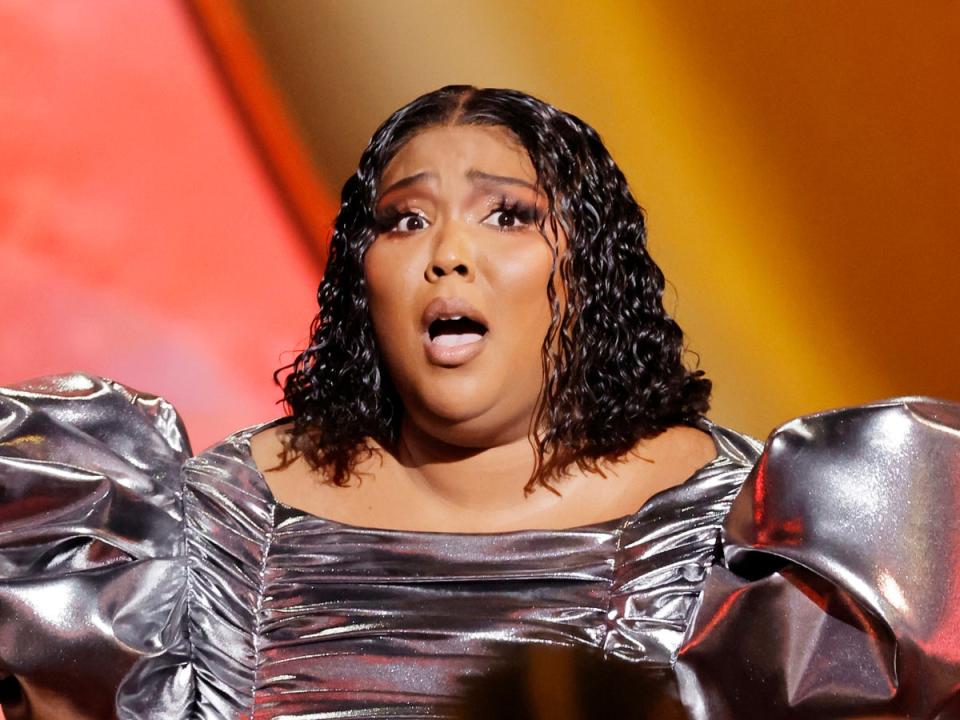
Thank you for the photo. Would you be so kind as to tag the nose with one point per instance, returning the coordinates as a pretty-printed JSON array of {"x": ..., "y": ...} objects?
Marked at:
[{"x": 452, "y": 255}]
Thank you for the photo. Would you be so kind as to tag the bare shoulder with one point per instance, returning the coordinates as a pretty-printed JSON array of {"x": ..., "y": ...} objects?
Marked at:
[
  {"x": 672, "y": 456},
  {"x": 288, "y": 481},
  {"x": 684, "y": 444},
  {"x": 266, "y": 448},
  {"x": 299, "y": 485},
  {"x": 652, "y": 466}
]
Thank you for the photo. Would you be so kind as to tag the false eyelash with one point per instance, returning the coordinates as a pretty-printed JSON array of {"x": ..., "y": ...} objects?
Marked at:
[
  {"x": 524, "y": 212},
  {"x": 386, "y": 220}
]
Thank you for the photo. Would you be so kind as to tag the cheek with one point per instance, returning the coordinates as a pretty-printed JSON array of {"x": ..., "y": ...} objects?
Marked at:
[
  {"x": 387, "y": 270},
  {"x": 521, "y": 284},
  {"x": 377, "y": 270},
  {"x": 392, "y": 270}
]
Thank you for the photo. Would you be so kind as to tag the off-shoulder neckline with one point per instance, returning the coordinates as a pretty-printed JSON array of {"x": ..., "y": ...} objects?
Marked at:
[{"x": 240, "y": 441}]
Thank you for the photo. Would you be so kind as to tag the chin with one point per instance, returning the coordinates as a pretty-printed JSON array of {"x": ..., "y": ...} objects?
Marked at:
[
  {"x": 479, "y": 433},
  {"x": 454, "y": 409},
  {"x": 469, "y": 419}
]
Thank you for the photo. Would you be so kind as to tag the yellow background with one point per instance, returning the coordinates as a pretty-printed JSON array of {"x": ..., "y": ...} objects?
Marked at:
[{"x": 799, "y": 162}]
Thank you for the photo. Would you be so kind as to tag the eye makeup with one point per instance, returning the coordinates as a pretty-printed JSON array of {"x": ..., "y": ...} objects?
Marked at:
[
  {"x": 388, "y": 216},
  {"x": 512, "y": 214}
]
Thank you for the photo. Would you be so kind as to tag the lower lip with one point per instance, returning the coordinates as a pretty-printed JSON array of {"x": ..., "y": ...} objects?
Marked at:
[{"x": 452, "y": 355}]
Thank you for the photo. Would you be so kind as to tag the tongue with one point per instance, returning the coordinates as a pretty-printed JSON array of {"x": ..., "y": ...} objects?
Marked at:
[{"x": 453, "y": 339}]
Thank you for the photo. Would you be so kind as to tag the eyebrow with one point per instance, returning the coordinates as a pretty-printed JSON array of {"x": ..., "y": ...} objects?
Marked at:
[
  {"x": 499, "y": 179},
  {"x": 473, "y": 175},
  {"x": 408, "y": 181}
]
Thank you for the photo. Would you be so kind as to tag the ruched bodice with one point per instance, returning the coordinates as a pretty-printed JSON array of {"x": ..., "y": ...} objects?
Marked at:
[
  {"x": 143, "y": 582},
  {"x": 416, "y": 612}
]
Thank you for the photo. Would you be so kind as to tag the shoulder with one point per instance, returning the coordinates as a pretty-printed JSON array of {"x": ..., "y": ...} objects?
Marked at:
[
  {"x": 831, "y": 477},
  {"x": 266, "y": 444},
  {"x": 843, "y": 541},
  {"x": 229, "y": 479},
  {"x": 90, "y": 459},
  {"x": 839, "y": 491},
  {"x": 91, "y": 552},
  {"x": 683, "y": 443},
  {"x": 696, "y": 470},
  {"x": 686, "y": 452},
  {"x": 97, "y": 407}
]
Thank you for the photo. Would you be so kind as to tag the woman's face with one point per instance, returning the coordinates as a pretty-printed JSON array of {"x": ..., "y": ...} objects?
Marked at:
[{"x": 457, "y": 281}]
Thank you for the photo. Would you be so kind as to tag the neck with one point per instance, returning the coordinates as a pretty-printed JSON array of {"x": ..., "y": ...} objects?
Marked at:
[{"x": 480, "y": 479}]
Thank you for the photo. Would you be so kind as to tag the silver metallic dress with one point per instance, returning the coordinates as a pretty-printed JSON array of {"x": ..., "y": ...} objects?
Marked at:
[{"x": 819, "y": 579}]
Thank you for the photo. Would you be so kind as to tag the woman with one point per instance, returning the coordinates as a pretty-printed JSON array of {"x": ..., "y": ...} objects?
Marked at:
[{"x": 493, "y": 444}]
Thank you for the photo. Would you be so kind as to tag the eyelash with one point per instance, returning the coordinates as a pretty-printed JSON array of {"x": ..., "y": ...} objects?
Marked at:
[
  {"x": 524, "y": 214},
  {"x": 386, "y": 220}
]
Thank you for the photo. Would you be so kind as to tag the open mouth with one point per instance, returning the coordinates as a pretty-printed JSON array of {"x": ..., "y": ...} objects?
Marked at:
[{"x": 460, "y": 330}]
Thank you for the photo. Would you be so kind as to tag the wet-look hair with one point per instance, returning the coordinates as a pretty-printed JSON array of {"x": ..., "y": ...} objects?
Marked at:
[{"x": 612, "y": 357}]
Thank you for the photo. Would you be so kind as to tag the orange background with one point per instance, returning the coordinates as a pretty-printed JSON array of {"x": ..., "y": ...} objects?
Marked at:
[{"x": 168, "y": 170}]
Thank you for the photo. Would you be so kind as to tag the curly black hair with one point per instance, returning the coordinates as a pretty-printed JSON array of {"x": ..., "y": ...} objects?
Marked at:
[{"x": 612, "y": 357}]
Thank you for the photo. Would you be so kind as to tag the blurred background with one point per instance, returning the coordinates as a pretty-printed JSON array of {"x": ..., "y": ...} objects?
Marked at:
[{"x": 169, "y": 172}]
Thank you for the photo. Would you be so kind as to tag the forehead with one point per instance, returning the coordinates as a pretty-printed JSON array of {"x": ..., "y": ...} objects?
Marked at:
[{"x": 457, "y": 149}]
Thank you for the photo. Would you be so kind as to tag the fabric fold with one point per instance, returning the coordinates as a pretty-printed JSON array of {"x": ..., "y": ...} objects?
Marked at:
[
  {"x": 91, "y": 551},
  {"x": 843, "y": 550},
  {"x": 815, "y": 580}
]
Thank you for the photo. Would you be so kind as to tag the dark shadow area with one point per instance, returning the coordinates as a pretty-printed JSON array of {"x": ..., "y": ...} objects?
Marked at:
[{"x": 572, "y": 684}]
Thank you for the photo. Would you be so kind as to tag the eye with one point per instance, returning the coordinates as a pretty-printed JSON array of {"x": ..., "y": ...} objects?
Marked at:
[
  {"x": 410, "y": 222},
  {"x": 502, "y": 219},
  {"x": 510, "y": 217}
]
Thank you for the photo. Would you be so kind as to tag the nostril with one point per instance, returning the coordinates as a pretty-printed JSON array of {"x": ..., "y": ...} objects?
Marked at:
[{"x": 437, "y": 271}]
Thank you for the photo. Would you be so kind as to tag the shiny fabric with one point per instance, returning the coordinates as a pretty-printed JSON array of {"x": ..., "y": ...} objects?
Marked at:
[
  {"x": 841, "y": 591},
  {"x": 139, "y": 582}
]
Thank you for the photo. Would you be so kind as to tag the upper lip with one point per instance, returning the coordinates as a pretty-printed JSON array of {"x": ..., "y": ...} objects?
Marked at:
[{"x": 448, "y": 308}]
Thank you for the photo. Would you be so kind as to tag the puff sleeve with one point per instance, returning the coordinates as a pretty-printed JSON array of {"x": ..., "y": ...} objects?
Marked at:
[
  {"x": 92, "y": 574},
  {"x": 839, "y": 591}
]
